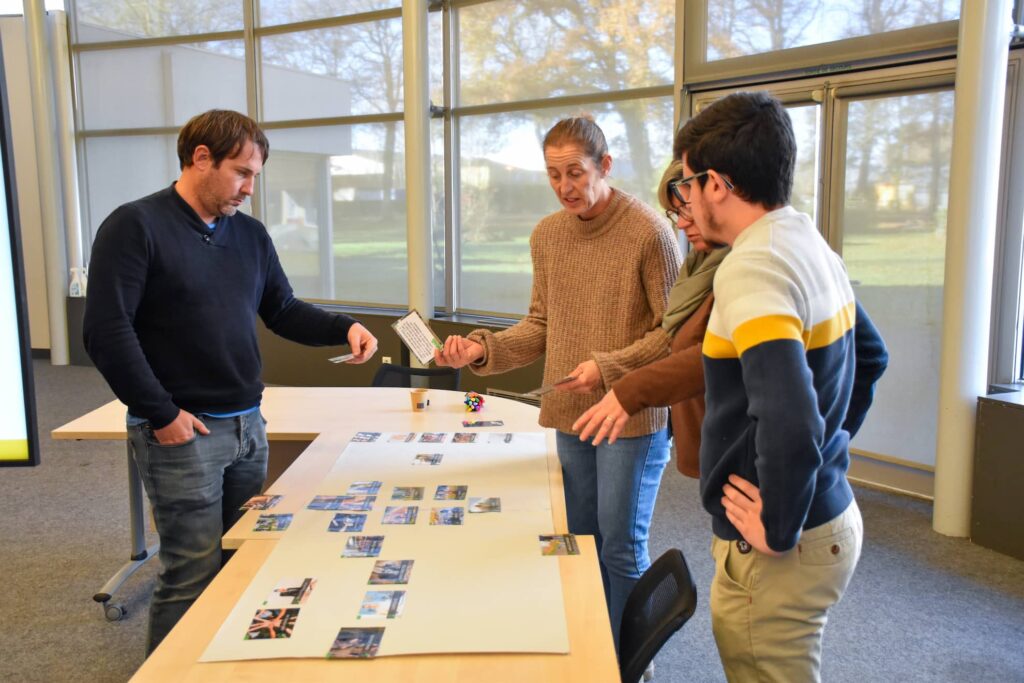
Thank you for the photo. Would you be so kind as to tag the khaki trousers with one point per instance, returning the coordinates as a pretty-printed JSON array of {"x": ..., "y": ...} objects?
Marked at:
[{"x": 768, "y": 613}]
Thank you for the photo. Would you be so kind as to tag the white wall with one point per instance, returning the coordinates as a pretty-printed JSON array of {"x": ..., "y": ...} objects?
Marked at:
[{"x": 15, "y": 53}]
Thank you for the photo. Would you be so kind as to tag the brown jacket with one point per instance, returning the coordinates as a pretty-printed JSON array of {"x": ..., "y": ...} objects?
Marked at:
[{"x": 676, "y": 380}]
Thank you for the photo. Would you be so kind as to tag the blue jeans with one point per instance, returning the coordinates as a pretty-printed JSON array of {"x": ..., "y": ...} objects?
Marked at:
[
  {"x": 609, "y": 493},
  {"x": 195, "y": 490}
]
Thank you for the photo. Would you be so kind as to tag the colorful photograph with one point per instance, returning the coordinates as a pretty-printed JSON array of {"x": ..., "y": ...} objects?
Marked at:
[
  {"x": 427, "y": 459},
  {"x": 464, "y": 437},
  {"x": 347, "y": 521},
  {"x": 390, "y": 571},
  {"x": 360, "y": 643},
  {"x": 273, "y": 522},
  {"x": 477, "y": 505},
  {"x": 558, "y": 544},
  {"x": 365, "y": 437},
  {"x": 325, "y": 503},
  {"x": 433, "y": 437},
  {"x": 483, "y": 423},
  {"x": 365, "y": 487},
  {"x": 272, "y": 623},
  {"x": 400, "y": 514},
  {"x": 407, "y": 493},
  {"x": 363, "y": 546},
  {"x": 260, "y": 503},
  {"x": 403, "y": 437},
  {"x": 446, "y": 516},
  {"x": 382, "y": 604},
  {"x": 450, "y": 493},
  {"x": 356, "y": 503},
  {"x": 290, "y": 592}
]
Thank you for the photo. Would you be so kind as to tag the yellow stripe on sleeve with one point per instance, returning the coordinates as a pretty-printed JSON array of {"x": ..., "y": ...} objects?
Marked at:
[
  {"x": 768, "y": 328},
  {"x": 717, "y": 347},
  {"x": 828, "y": 331}
]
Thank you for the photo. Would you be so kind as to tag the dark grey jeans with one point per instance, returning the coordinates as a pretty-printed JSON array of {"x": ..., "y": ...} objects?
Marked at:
[{"x": 195, "y": 490}]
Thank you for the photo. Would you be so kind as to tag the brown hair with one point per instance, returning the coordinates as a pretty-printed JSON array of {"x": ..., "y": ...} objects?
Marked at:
[
  {"x": 582, "y": 131},
  {"x": 224, "y": 132},
  {"x": 673, "y": 172}
]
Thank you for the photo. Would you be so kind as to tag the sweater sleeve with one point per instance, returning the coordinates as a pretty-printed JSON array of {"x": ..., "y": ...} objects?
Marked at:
[
  {"x": 659, "y": 268},
  {"x": 118, "y": 270},
  {"x": 761, "y": 310},
  {"x": 872, "y": 361},
  {"x": 525, "y": 341},
  {"x": 294, "y": 319}
]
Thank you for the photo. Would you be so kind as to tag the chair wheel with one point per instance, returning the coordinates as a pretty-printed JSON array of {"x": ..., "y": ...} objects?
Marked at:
[{"x": 113, "y": 612}]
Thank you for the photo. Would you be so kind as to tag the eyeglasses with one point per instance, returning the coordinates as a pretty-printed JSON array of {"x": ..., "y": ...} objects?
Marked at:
[
  {"x": 680, "y": 189},
  {"x": 682, "y": 212}
]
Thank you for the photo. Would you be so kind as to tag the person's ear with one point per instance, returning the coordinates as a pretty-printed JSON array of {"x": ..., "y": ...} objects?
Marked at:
[
  {"x": 606, "y": 165},
  {"x": 715, "y": 188},
  {"x": 201, "y": 157}
]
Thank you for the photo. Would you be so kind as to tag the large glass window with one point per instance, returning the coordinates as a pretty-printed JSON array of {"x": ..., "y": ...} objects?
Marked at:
[
  {"x": 108, "y": 20},
  {"x": 893, "y": 224},
  {"x": 738, "y": 28},
  {"x": 275, "y": 12}
]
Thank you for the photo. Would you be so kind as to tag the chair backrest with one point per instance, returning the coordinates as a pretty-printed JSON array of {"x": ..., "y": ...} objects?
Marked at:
[
  {"x": 400, "y": 376},
  {"x": 658, "y": 606}
]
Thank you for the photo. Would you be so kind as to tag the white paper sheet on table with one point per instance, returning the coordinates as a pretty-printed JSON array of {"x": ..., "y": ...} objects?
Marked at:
[{"x": 479, "y": 587}]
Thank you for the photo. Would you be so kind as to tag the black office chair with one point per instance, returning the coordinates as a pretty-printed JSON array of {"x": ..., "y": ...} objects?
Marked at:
[
  {"x": 658, "y": 606},
  {"x": 400, "y": 376}
]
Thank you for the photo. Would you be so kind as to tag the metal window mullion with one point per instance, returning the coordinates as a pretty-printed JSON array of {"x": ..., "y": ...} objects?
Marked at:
[
  {"x": 452, "y": 236},
  {"x": 836, "y": 183},
  {"x": 332, "y": 121},
  {"x": 565, "y": 101},
  {"x": 253, "y": 79},
  {"x": 329, "y": 22},
  {"x": 158, "y": 41}
]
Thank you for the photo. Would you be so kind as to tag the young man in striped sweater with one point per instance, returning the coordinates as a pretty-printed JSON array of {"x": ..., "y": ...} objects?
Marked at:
[{"x": 790, "y": 361}]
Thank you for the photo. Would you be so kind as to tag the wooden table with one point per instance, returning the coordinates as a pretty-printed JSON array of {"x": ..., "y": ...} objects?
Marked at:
[{"x": 296, "y": 419}]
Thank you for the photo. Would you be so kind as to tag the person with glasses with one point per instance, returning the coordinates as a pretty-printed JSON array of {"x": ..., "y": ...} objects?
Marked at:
[
  {"x": 790, "y": 362},
  {"x": 602, "y": 269},
  {"x": 678, "y": 379}
]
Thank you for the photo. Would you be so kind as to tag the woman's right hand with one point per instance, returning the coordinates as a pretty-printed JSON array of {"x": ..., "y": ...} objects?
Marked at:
[
  {"x": 458, "y": 352},
  {"x": 605, "y": 419}
]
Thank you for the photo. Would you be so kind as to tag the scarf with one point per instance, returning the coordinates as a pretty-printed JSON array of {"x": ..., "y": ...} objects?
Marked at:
[{"x": 693, "y": 285}]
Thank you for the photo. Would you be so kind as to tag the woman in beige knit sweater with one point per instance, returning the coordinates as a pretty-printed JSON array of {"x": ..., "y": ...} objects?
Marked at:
[{"x": 602, "y": 270}]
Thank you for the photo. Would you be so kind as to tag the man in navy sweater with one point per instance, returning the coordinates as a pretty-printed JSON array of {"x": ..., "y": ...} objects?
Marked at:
[
  {"x": 790, "y": 362},
  {"x": 177, "y": 280}
]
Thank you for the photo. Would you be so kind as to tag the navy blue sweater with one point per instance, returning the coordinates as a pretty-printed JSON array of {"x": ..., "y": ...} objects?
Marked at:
[
  {"x": 790, "y": 364},
  {"x": 170, "y": 319}
]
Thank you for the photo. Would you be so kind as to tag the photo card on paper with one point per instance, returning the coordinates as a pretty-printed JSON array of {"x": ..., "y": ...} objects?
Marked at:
[
  {"x": 347, "y": 521},
  {"x": 358, "y": 643},
  {"x": 449, "y": 492},
  {"x": 478, "y": 505},
  {"x": 446, "y": 516},
  {"x": 499, "y": 437},
  {"x": 365, "y": 487},
  {"x": 273, "y": 522},
  {"x": 356, "y": 503},
  {"x": 271, "y": 624},
  {"x": 407, "y": 493},
  {"x": 427, "y": 459},
  {"x": 391, "y": 572},
  {"x": 433, "y": 437},
  {"x": 290, "y": 592},
  {"x": 400, "y": 514},
  {"x": 365, "y": 437},
  {"x": 382, "y": 605},
  {"x": 483, "y": 423},
  {"x": 325, "y": 503},
  {"x": 558, "y": 544},
  {"x": 363, "y": 546},
  {"x": 402, "y": 437},
  {"x": 264, "y": 502},
  {"x": 464, "y": 437}
]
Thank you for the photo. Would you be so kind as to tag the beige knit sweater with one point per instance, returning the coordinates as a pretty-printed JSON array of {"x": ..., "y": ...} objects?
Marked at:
[{"x": 599, "y": 291}]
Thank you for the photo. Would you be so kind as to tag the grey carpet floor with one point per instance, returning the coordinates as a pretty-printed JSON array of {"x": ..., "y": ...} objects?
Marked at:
[{"x": 921, "y": 607}]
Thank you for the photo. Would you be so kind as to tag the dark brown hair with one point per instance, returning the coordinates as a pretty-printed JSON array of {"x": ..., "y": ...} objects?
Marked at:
[
  {"x": 582, "y": 131},
  {"x": 224, "y": 132},
  {"x": 748, "y": 137}
]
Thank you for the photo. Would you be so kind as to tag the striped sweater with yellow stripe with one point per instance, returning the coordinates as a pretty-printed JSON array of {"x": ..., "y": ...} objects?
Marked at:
[{"x": 790, "y": 363}]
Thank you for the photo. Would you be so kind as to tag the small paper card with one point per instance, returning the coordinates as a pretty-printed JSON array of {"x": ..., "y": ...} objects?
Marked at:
[
  {"x": 413, "y": 330},
  {"x": 547, "y": 388},
  {"x": 558, "y": 544},
  {"x": 483, "y": 423},
  {"x": 342, "y": 358}
]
